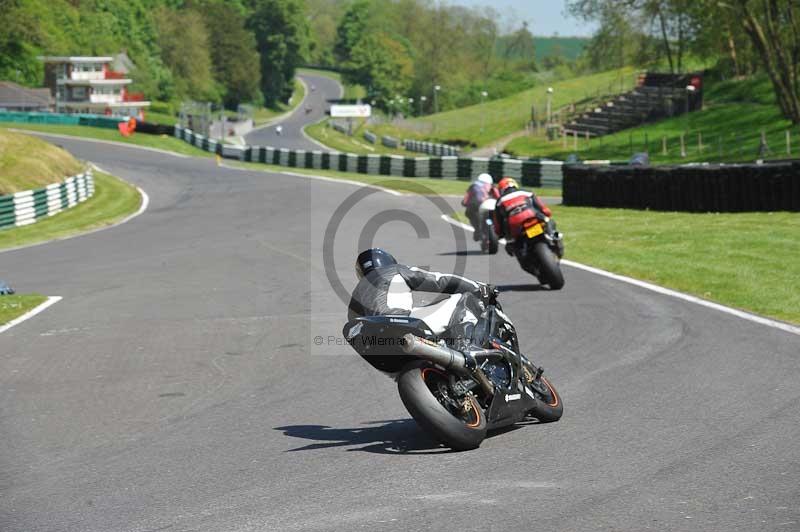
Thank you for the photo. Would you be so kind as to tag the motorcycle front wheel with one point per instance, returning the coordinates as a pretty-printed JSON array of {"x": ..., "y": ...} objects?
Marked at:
[
  {"x": 426, "y": 394},
  {"x": 548, "y": 407},
  {"x": 549, "y": 270}
]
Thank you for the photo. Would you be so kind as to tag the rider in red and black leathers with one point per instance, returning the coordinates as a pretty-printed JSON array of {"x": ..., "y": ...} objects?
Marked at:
[{"x": 514, "y": 208}]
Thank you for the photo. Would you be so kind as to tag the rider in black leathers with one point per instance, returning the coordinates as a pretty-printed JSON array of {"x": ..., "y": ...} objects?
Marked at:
[{"x": 386, "y": 288}]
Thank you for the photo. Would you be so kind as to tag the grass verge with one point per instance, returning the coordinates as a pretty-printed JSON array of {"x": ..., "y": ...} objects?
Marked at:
[
  {"x": 415, "y": 185},
  {"x": 335, "y": 140},
  {"x": 262, "y": 115},
  {"x": 27, "y": 163},
  {"x": 162, "y": 142},
  {"x": 743, "y": 260},
  {"x": 112, "y": 201},
  {"x": 12, "y": 307}
]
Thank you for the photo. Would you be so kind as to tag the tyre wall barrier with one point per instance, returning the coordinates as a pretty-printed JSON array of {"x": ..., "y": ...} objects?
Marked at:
[
  {"x": 431, "y": 148},
  {"x": 531, "y": 173},
  {"x": 370, "y": 137},
  {"x": 25, "y": 208},
  {"x": 708, "y": 188}
]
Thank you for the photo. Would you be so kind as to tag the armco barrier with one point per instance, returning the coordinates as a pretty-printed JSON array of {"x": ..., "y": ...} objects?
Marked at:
[
  {"x": 25, "y": 208},
  {"x": 708, "y": 188},
  {"x": 531, "y": 173}
]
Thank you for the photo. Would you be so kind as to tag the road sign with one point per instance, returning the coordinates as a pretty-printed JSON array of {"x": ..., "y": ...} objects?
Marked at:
[{"x": 351, "y": 111}]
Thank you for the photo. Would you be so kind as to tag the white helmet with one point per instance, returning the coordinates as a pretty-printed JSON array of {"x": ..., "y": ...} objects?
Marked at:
[{"x": 485, "y": 179}]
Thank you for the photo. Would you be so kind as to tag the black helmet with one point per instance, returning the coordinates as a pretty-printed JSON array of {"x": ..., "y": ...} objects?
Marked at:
[{"x": 372, "y": 258}]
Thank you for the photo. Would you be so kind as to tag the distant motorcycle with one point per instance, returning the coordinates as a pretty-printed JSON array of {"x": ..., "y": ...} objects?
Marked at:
[
  {"x": 457, "y": 388},
  {"x": 278, "y": 130},
  {"x": 486, "y": 235}
]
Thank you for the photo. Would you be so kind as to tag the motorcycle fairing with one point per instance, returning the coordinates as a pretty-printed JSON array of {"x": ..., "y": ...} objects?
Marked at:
[{"x": 379, "y": 339}]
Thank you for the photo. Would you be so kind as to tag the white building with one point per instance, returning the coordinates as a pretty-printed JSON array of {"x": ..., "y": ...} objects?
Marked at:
[{"x": 88, "y": 85}]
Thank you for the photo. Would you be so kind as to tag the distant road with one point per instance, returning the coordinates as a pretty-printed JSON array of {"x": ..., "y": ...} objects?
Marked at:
[{"x": 320, "y": 89}]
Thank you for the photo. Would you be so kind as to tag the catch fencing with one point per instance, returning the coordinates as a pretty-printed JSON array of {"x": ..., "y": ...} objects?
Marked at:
[
  {"x": 25, "y": 208},
  {"x": 534, "y": 173},
  {"x": 701, "y": 188}
]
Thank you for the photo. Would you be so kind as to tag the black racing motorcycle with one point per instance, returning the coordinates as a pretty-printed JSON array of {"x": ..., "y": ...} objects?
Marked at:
[
  {"x": 457, "y": 388},
  {"x": 539, "y": 251}
]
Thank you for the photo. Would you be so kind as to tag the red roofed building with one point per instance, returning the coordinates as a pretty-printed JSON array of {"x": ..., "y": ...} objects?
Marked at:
[{"x": 88, "y": 85}]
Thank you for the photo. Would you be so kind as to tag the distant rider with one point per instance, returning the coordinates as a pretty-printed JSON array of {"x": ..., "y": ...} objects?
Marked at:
[
  {"x": 387, "y": 288},
  {"x": 480, "y": 190},
  {"x": 514, "y": 208}
]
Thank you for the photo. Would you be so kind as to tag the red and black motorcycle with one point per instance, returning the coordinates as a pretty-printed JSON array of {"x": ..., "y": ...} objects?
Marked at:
[{"x": 539, "y": 250}]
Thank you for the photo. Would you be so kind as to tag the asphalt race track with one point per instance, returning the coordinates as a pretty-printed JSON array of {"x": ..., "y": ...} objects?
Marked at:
[
  {"x": 179, "y": 385},
  {"x": 292, "y": 136}
]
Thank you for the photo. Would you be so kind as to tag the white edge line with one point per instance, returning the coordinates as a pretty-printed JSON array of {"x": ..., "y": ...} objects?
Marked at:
[
  {"x": 142, "y": 208},
  {"x": 99, "y": 141},
  {"x": 666, "y": 291},
  {"x": 319, "y": 178},
  {"x": 52, "y": 300}
]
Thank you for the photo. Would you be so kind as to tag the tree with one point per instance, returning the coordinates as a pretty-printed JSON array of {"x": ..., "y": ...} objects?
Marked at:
[
  {"x": 183, "y": 39},
  {"x": 381, "y": 64},
  {"x": 774, "y": 29},
  {"x": 352, "y": 29},
  {"x": 233, "y": 54},
  {"x": 282, "y": 37}
]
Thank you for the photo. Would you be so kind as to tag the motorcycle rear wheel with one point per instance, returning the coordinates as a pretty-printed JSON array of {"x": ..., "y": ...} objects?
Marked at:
[
  {"x": 421, "y": 388},
  {"x": 549, "y": 270},
  {"x": 488, "y": 240}
]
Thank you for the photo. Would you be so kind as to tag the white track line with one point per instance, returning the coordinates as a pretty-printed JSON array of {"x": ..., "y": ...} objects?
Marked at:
[
  {"x": 98, "y": 141},
  {"x": 52, "y": 300},
  {"x": 318, "y": 177},
  {"x": 142, "y": 208},
  {"x": 666, "y": 291}
]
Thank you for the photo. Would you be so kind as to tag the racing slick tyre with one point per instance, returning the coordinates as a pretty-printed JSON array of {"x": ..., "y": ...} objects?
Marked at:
[
  {"x": 549, "y": 270},
  {"x": 548, "y": 407},
  {"x": 488, "y": 240},
  {"x": 425, "y": 392}
]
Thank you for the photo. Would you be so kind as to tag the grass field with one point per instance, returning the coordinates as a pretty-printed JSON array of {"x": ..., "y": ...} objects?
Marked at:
[
  {"x": 480, "y": 124},
  {"x": 416, "y": 185},
  {"x": 744, "y": 260},
  {"x": 27, "y": 163},
  {"x": 112, "y": 201},
  {"x": 727, "y": 129},
  {"x": 14, "y": 306},
  {"x": 162, "y": 142}
]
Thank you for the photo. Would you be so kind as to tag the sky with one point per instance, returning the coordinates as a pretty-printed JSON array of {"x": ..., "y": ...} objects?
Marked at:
[{"x": 544, "y": 16}]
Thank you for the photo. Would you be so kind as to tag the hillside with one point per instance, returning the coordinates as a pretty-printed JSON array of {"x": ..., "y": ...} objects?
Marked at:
[
  {"x": 727, "y": 129},
  {"x": 480, "y": 124},
  {"x": 27, "y": 162}
]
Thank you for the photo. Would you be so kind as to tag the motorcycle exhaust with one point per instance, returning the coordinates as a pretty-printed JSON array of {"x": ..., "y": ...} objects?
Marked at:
[{"x": 444, "y": 356}]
